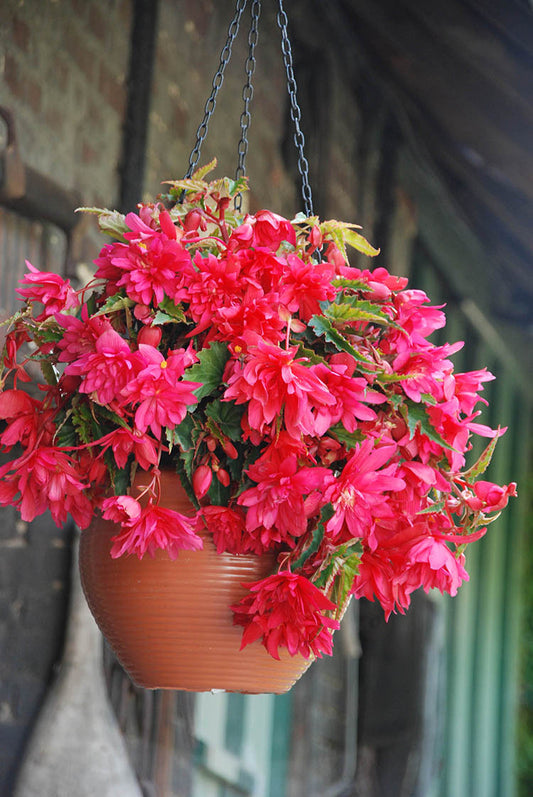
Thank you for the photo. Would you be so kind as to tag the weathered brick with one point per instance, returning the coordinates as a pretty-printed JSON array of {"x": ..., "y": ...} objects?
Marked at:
[
  {"x": 112, "y": 89},
  {"x": 80, "y": 53},
  {"x": 21, "y": 34}
]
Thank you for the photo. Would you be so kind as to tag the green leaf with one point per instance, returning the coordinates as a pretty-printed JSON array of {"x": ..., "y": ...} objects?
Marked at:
[
  {"x": 353, "y": 309},
  {"x": 323, "y": 326},
  {"x": 359, "y": 242},
  {"x": 438, "y": 506},
  {"x": 218, "y": 494},
  {"x": 416, "y": 416},
  {"x": 111, "y": 222},
  {"x": 48, "y": 372},
  {"x": 115, "y": 304},
  {"x": 481, "y": 464},
  {"x": 227, "y": 415},
  {"x": 349, "y": 568},
  {"x": 169, "y": 311},
  {"x": 201, "y": 172},
  {"x": 351, "y": 284},
  {"x": 209, "y": 371},
  {"x": 318, "y": 535},
  {"x": 121, "y": 480},
  {"x": 311, "y": 355},
  {"x": 349, "y": 439},
  {"x": 343, "y": 233}
]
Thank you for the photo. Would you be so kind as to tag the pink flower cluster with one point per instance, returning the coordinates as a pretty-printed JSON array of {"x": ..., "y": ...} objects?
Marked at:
[{"x": 300, "y": 399}]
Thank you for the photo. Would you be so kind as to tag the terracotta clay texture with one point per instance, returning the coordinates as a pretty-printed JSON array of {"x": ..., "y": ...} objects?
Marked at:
[{"x": 169, "y": 622}]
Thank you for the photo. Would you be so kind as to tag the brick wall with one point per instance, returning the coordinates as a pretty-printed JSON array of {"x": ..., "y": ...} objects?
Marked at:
[{"x": 63, "y": 75}]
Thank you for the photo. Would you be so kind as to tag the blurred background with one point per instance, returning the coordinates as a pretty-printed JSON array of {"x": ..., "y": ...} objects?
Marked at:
[{"x": 418, "y": 119}]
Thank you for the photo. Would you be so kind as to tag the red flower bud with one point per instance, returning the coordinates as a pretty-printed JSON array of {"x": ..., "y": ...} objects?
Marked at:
[
  {"x": 150, "y": 335},
  {"x": 192, "y": 220},
  {"x": 223, "y": 477},
  {"x": 229, "y": 449},
  {"x": 201, "y": 480}
]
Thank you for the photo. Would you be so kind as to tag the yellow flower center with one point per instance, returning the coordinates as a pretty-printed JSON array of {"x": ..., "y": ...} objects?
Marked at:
[{"x": 164, "y": 364}]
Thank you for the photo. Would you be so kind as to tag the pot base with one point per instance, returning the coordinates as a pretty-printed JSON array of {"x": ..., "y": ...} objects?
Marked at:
[{"x": 169, "y": 622}]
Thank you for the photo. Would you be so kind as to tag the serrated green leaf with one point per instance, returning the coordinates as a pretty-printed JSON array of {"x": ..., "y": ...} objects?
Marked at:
[
  {"x": 210, "y": 368},
  {"x": 111, "y": 222},
  {"x": 351, "y": 284},
  {"x": 115, "y": 304},
  {"x": 359, "y": 242},
  {"x": 311, "y": 355},
  {"x": 353, "y": 309},
  {"x": 228, "y": 416},
  {"x": 349, "y": 568},
  {"x": 48, "y": 372},
  {"x": 416, "y": 416},
  {"x": 438, "y": 506},
  {"x": 323, "y": 326},
  {"x": 326, "y": 514},
  {"x": 201, "y": 172},
  {"x": 482, "y": 463},
  {"x": 170, "y": 308},
  {"x": 349, "y": 439}
]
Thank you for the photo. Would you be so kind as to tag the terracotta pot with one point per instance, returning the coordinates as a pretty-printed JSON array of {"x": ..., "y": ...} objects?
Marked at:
[{"x": 169, "y": 622}]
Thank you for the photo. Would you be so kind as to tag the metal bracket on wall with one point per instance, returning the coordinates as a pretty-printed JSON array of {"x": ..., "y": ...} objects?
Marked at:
[{"x": 27, "y": 191}]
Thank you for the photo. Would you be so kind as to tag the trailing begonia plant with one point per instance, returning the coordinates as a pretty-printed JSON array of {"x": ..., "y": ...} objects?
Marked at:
[{"x": 299, "y": 400}]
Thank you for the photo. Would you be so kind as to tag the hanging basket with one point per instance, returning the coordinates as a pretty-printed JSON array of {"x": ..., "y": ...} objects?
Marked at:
[{"x": 169, "y": 622}]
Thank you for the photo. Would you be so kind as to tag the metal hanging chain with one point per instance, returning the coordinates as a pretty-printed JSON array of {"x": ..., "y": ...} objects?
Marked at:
[
  {"x": 218, "y": 80},
  {"x": 247, "y": 95},
  {"x": 296, "y": 114}
]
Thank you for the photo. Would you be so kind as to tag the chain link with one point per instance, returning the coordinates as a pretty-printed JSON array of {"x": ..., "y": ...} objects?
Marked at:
[
  {"x": 218, "y": 80},
  {"x": 247, "y": 95},
  {"x": 296, "y": 114}
]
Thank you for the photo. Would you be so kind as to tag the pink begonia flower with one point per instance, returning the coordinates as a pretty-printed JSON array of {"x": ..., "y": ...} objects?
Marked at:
[
  {"x": 427, "y": 370},
  {"x": 230, "y": 535},
  {"x": 417, "y": 319},
  {"x": 108, "y": 370},
  {"x": 270, "y": 230},
  {"x": 305, "y": 286},
  {"x": 467, "y": 387},
  {"x": 158, "y": 390},
  {"x": 286, "y": 610},
  {"x": 489, "y": 497},
  {"x": 351, "y": 395},
  {"x": 214, "y": 285},
  {"x": 26, "y": 418},
  {"x": 47, "y": 478},
  {"x": 50, "y": 289},
  {"x": 125, "y": 442},
  {"x": 149, "y": 528},
  {"x": 80, "y": 336},
  {"x": 433, "y": 565},
  {"x": 284, "y": 496},
  {"x": 273, "y": 381},
  {"x": 254, "y": 314},
  {"x": 359, "y": 493}
]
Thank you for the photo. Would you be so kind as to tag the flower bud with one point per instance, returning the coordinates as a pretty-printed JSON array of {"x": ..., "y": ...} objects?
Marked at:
[
  {"x": 229, "y": 449},
  {"x": 150, "y": 335},
  {"x": 223, "y": 477},
  {"x": 201, "y": 480},
  {"x": 192, "y": 220}
]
